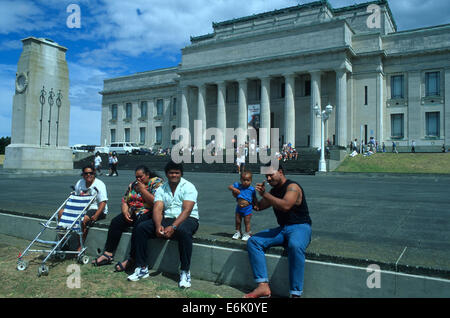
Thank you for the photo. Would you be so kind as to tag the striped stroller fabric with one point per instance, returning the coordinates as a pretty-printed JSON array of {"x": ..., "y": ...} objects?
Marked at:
[{"x": 75, "y": 206}]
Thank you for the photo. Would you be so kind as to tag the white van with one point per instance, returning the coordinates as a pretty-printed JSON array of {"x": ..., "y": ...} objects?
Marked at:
[
  {"x": 124, "y": 148},
  {"x": 79, "y": 148},
  {"x": 104, "y": 149}
]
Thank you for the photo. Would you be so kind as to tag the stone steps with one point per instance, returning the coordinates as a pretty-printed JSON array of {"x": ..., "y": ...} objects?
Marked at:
[{"x": 307, "y": 163}]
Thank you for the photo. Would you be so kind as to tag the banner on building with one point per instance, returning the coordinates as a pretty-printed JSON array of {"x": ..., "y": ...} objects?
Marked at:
[{"x": 254, "y": 113}]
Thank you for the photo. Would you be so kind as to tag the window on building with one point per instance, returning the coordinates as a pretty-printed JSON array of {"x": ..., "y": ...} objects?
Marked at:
[
  {"x": 173, "y": 140},
  {"x": 113, "y": 135},
  {"x": 114, "y": 112},
  {"x": 432, "y": 84},
  {"x": 143, "y": 109},
  {"x": 397, "y": 87},
  {"x": 142, "y": 135},
  {"x": 307, "y": 88},
  {"x": 128, "y": 110},
  {"x": 127, "y": 135},
  {"x": 159, "y": 135},
  {"x": 397, "y": 128},
  {"x": 159, "y": 107},
  {"x": 174, "y": 106},
  {"x": 432, "y": 120},
  {"x": 282, "y": 90},
  {"x": 366, "y": 95}
]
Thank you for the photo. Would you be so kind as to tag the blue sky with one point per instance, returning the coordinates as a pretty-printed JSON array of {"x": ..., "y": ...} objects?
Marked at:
[{"x": 124, "y": 37}]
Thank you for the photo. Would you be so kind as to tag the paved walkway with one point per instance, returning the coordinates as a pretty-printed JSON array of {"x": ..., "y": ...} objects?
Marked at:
[{"x": 391, "y": 220}]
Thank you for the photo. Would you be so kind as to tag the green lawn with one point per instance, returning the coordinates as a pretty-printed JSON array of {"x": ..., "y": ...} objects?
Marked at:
[{"x": 398, "y": 163}]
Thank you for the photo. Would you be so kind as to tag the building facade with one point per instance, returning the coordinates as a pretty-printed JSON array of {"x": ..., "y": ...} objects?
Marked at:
[{"x": 382, "y": 83}]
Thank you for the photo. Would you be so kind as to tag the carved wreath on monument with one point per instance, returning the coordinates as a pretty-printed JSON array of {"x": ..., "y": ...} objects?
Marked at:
[{"x": 21, "y": 83}]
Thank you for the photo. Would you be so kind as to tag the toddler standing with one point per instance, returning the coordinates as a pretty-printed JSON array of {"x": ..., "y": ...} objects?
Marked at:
[{"x": 245, "y": 195}]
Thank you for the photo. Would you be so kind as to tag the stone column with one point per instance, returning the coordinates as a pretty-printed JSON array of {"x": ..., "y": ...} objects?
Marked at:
[
  {"x": 201, "y": 116},
  {"x": 184, "y": 111},
  {"x": 380, "y": 105},
  {"x": 341, "y": 107},
  {"x": 289, "y": 109},
  {"x": 221, "y": 111},
  {"x": 242, "y": 108},
  {"x": 265, "y": 112},
  {"x": 167, "y": 129},
  {"x": 315, "y": 100},
  {"x": 447, "y": 107}
]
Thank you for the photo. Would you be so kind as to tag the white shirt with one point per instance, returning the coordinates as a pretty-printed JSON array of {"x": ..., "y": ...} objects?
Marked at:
[
  {"x": 102, "y": 195},
  {"x": 173, "y": 203},
  {"x": 98, "y": 161}
]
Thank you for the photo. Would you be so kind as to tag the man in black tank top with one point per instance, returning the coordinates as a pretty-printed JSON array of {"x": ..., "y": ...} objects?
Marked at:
[{"x": 288, "y": 201}]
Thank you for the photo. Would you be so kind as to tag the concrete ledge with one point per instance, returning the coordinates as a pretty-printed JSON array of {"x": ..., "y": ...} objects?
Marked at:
[{"x": 229, "y": 266}]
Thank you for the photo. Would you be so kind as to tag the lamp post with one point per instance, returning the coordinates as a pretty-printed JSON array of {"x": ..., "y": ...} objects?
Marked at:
[{"x": 324, "y": 115}]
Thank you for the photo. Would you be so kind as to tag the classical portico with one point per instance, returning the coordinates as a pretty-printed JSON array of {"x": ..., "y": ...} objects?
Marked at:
[{"x": 228, "y": 100}]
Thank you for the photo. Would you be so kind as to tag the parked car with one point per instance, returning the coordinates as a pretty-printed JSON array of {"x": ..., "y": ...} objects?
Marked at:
[
  {"x": 79, "y": 148},
  {"x": 124, "y": 147},
  {"x": 143, "y": 151},
  {"x": 104, "y": 149}
]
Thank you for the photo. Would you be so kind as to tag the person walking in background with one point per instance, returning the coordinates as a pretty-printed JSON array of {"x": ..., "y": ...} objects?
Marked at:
[
  {"x": 115, "y": 163},
  {"x": 394, "y": 147},
  {"x": 110, "y": 164},
  {"x": 98, "y": 163},
  {"x": 413, "y": 146}
]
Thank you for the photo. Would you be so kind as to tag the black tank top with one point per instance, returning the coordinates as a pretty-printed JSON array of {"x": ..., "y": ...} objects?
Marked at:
[{"x": 298, "y": 214}]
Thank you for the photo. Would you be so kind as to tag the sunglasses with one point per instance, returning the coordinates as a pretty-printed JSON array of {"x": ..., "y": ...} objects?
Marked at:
[{"x": 89, "y": 173}]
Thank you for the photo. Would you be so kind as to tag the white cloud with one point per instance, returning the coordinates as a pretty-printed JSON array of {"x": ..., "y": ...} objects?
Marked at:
[
  {"x": 141, "y": 26},
  {"x": 21, "y": 15}
]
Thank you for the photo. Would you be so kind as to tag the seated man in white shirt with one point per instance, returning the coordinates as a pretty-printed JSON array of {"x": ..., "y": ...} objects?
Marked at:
[{"x": 175, "y": 215}]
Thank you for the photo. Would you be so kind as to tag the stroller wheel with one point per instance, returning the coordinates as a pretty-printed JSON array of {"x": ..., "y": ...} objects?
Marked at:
[
  {"x": 84, "y": 260},
  {"x": 22, "y": 265},
  {"x": 61, "y": 256},
  {"x": 42, "y": 270}
]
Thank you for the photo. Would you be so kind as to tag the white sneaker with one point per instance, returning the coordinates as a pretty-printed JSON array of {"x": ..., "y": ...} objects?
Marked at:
[
  {"x": 185, "y": 279},
  {"x": 138, "y": 274},
  {"x": 246, "y": 236},
  {"x": 236, "y": 235}
]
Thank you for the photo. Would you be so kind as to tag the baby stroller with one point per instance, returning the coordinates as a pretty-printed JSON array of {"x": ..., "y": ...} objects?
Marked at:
[{"x": 75, "y": 207}]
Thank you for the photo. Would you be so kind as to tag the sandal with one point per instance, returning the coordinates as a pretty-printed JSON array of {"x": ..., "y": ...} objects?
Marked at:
[
  {"x": 107, "y": 261},
  {"x": 120, "y": 268}
]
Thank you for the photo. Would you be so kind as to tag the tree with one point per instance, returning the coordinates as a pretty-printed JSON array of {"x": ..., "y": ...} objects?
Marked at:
[{"x": 4, "y": 141}]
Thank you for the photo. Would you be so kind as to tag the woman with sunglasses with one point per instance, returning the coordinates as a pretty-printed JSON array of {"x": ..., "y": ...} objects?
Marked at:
[
  {"x": 90, "y": 185},
  {"x": 137, "y": 206}
]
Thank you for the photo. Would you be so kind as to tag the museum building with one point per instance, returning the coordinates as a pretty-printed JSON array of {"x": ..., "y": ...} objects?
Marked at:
[{"x": 382, "y": 83}]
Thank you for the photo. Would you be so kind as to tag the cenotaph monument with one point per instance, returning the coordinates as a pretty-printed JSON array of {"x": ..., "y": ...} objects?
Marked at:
[{"x": 41, "y": 109}]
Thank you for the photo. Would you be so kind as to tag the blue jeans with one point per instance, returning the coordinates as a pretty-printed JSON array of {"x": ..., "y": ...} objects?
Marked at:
[{"x": 295, "y": 238}]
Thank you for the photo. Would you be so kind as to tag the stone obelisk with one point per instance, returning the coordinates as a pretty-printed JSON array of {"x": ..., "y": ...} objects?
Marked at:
[{"x": 41, "y": 109}]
